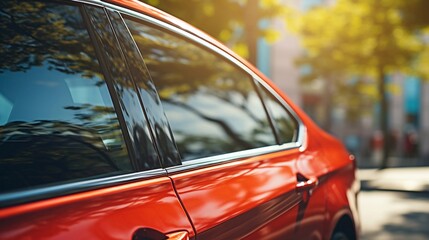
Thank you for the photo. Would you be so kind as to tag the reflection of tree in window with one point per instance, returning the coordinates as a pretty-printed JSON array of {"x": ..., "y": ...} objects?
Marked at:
[
  {"x": 36, "y": 34},
  {"x": 61, "y": 125},
  {"x": 211, "y": 105}
]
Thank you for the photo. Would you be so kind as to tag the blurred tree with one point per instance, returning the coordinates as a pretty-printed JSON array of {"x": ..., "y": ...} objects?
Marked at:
[
  {"x": 359, "y": 38},
  {"x": 234, "y": 22},
  {"x": 414, "y": 14}
]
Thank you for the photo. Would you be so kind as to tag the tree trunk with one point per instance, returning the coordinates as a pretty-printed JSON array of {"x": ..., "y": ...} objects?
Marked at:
[
  {"x": 329, "y": 103},
  {"x": 384, "y": 112},
  {"x": 251, "y": 29}
]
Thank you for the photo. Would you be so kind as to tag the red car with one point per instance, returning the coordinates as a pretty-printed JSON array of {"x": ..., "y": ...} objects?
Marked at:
[{"x": 119, "y": 121}]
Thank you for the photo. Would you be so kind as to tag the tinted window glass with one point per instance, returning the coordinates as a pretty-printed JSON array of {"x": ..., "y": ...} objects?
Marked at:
[
  {"x": 212, "y": 106},
  {"x": 57, "y": 120},
  {"x": 286, "y": 126}
]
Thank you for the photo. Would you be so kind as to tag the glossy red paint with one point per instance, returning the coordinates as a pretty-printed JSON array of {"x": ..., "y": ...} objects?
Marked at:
[
  {"x": 110, "y": 213},
  {"x": 224, "y": 200},
  {"x": 332, "y": 167}
]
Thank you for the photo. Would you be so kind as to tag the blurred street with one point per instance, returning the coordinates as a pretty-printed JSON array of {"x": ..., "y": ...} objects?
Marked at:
[{"x": 394, "y": 203}]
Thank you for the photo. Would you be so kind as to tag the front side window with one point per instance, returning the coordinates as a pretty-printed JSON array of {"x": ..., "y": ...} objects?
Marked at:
[
  {"x": 57, "y": 120},
  {"x": 211, "y": 104}
]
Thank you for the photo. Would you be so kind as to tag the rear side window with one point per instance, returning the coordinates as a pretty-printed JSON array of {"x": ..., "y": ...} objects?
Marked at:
[
  {"x": 57, "y": 120},
  {"x": 211, "y": 104},
  {"x": 286, "y": 126}
]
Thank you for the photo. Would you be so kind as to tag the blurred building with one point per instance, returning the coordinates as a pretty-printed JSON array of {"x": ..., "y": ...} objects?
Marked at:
[{"x": 409, "y": 107}]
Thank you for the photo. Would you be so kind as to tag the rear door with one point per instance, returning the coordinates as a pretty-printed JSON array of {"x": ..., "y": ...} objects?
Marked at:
[
  {"x": 311, "y": 222},
  {"x": 77, "y": 160},
  {"x": 237, "y": 180}
]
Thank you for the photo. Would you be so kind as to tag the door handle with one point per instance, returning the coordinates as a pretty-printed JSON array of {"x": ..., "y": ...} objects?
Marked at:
[
  {"x": 181, "y": 235},
  {"x": 305, "y": 184},
  {"x": 152, "y": 234}
]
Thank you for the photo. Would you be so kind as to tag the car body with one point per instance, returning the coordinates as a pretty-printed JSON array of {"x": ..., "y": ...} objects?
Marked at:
[{"x": 119, "y": 121}]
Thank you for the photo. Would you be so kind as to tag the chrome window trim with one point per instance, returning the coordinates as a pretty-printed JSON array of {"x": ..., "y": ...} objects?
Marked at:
[
  {"x": 94, "y": 3},
  {"x": 58, "y": 190},
  {"x": 200, "y": 162},
  {"x": 229, "y": 157}
]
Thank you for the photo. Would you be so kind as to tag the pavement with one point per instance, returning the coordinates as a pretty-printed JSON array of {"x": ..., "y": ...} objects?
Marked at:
[
  {"x": 406, "y": 179},
  {"x": 394, "y": 215},
  {"x": 394, "y": 203}
]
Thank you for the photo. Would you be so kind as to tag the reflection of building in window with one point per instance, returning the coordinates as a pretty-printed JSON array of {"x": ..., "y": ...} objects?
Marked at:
[
  {"x": 84, "y": 91},
  {"x": 6, "y": 109}
]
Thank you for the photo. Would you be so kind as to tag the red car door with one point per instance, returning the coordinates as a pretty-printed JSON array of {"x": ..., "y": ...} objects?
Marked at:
[
  {"x": 147, "y": 208},
  {"x": 253, "y": 197}
]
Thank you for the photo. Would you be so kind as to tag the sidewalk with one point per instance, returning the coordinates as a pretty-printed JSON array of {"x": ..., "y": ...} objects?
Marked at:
[{"x": 410, "y": 179}]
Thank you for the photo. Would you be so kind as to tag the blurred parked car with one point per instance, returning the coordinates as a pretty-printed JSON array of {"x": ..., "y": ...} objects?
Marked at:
[{"x": 119, "y": 121}]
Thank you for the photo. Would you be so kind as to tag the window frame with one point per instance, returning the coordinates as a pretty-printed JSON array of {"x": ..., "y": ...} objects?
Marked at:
[{"x": 222, "y": 158}]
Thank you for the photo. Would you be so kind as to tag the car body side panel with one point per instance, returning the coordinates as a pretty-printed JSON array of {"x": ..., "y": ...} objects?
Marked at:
[
  {"x": 342, "y": 185},
  {"x": 337, "y": 178},
  {"x": 110, "y": 213},
  {"x": 240, "y": 198}
]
